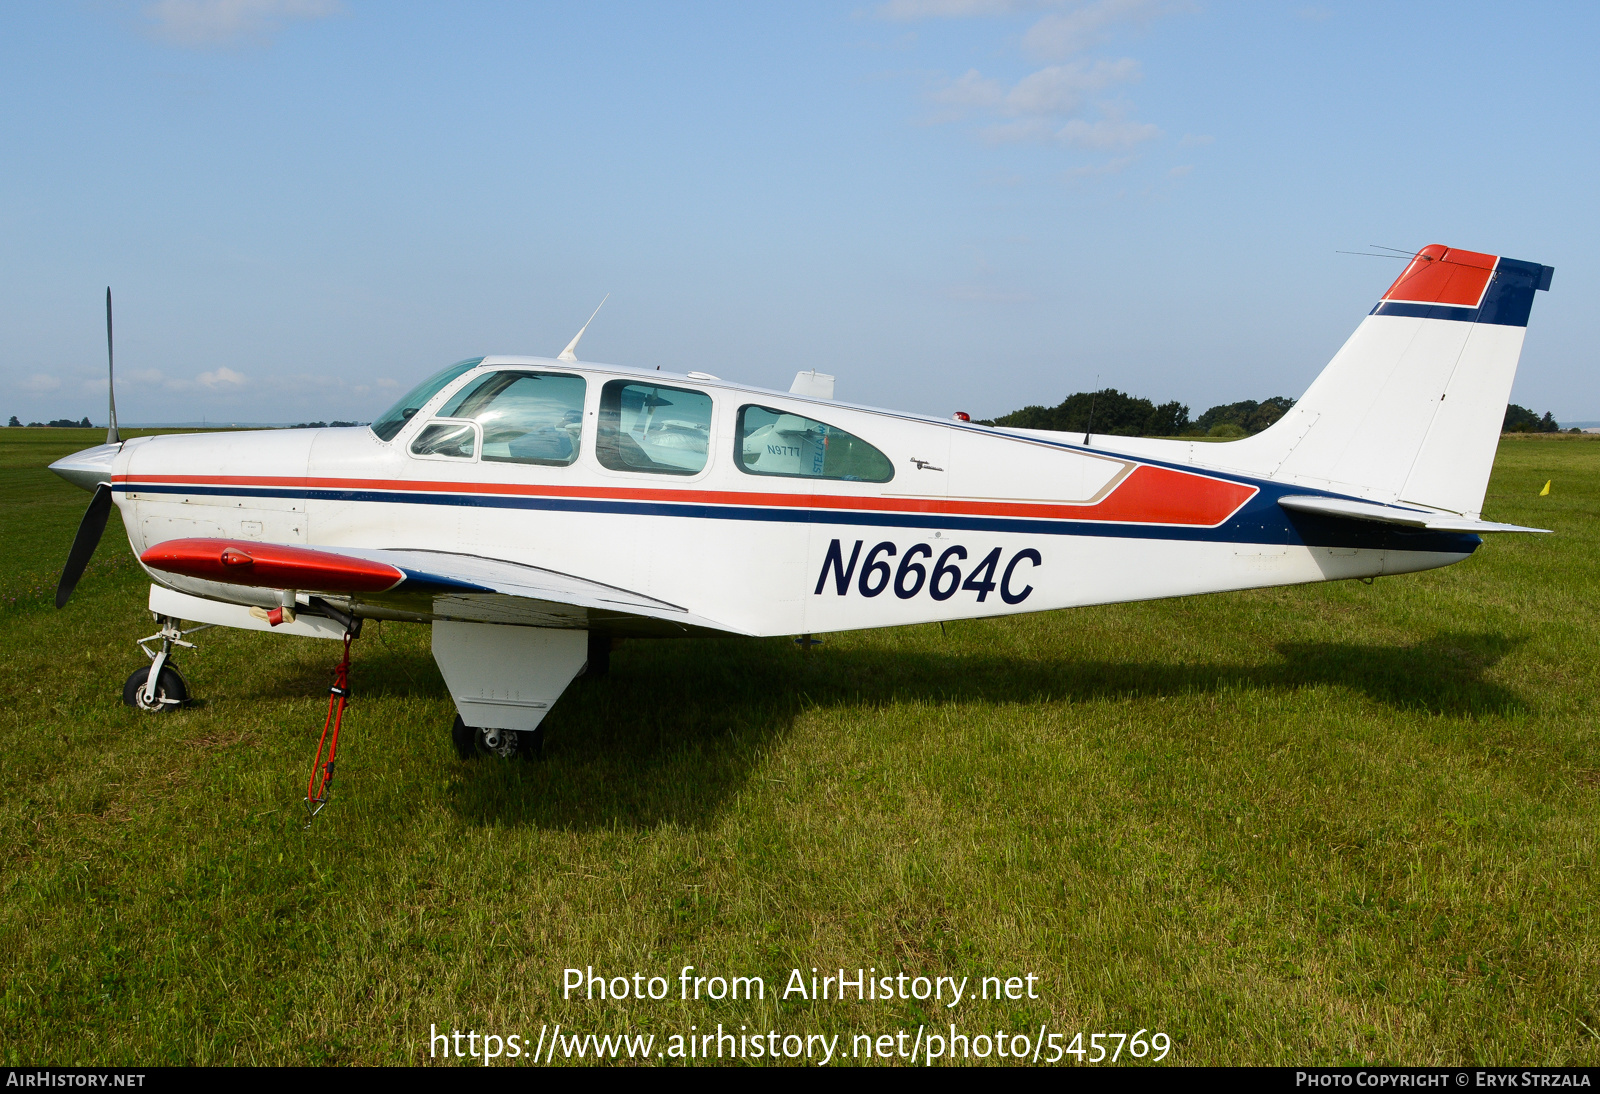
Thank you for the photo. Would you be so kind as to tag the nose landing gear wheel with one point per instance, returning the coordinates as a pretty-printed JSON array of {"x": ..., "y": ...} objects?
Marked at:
[
  {"x": 171, "y": 691},
  {"x": 472, "y": 742}
]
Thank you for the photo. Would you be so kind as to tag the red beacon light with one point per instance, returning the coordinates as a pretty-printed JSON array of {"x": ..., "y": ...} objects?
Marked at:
[{"x": 961, "y": 416}]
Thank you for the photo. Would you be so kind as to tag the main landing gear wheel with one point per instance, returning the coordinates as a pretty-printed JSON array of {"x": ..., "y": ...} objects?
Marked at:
[
  {"x": 171, "y": 691},
  {"x": 472, "y": 742}
]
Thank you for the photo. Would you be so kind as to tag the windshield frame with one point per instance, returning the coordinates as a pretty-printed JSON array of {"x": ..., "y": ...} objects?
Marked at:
[{"x": 392, "y": 422}]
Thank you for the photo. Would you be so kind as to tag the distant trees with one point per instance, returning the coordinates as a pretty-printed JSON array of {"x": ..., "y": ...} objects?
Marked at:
[
  {"x": 1121, "y": 415},
  {"x": 326, "y": 425},
  {"x": 1115, "y": 413},
  {"x": 59, "y": 423},
  {"x": 1249, "y": 415},
  {"x": 1519, "y": 419}
]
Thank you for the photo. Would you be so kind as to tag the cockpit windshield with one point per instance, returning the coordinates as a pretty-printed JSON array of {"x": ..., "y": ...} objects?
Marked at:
[{"x": 395, "y": 418}]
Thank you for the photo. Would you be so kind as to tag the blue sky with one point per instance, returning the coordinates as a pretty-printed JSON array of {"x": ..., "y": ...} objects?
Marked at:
[{"x": 303, "y": 206}]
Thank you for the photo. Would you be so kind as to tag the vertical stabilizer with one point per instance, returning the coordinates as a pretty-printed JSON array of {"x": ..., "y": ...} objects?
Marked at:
[{"x": 1410, "y": 408}]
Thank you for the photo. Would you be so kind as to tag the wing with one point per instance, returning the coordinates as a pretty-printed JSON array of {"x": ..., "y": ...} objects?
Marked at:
[{"x": 426, "y": 585}]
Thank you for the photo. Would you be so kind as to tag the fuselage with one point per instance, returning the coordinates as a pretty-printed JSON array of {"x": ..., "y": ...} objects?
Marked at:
[{"x": 767, "y": 512}]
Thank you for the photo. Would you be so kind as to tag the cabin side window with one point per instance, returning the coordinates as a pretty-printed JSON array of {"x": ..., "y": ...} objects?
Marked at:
[
  {"x": 775, "y": 442},
  {"x": 524, "y": 417},
  {"x": 448, "y": 440},
  {"x": 652, "y": 428}
]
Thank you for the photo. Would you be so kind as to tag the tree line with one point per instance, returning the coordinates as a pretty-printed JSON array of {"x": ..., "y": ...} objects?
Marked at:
[
  {"x": 68, "y": 423},
  {"x": 1519, "y": 419},
  {"x": 59, "y": 423},
  {"x": 1117, "y": 414}
]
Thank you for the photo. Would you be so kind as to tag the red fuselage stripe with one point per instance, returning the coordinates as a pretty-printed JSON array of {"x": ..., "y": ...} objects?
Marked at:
[{"x": 1149, "y": 495}]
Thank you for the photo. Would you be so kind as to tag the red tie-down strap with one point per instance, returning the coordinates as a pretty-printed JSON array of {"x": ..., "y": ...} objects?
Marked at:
[{"x": 322, "y": 771}]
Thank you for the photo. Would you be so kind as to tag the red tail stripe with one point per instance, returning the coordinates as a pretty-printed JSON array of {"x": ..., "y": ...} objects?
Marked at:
[{"x": 1440, "y": 275}]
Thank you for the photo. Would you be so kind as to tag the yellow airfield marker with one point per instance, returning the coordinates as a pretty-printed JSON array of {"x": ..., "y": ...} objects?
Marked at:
[{"x": 1546, "y": 491}]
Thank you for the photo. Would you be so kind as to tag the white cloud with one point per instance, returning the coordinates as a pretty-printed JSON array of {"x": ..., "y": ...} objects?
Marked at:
[
  {"x": 1110, "y": 167},
  {"x": 1107, "y": 133},
  {"x": 201, "y": 24},
  {"x": 981, "y": 294},
  {"x": 220, "y": 378},
  {"x": 41, "y": 384},
  {"x": 1066, "y": 33},
  {"x": 1060, "y": 89},
  {"x": 971, "y": 90},
  {"x": 1062, "y": 103},
  {"x": 1055, "y": 92},
  {"x": 1061, "y": 33},
  {"x": 1017, "y": 132},
  {"x": 909, "y": 10}
]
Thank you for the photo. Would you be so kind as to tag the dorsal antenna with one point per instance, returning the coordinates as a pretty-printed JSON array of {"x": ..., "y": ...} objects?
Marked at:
[
  {"x": 571, "y": 352},
  {"x": 112, "y": 436}
]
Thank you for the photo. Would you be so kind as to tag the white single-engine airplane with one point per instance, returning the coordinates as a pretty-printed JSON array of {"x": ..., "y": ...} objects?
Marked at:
[{"x": 531, "y": 509}]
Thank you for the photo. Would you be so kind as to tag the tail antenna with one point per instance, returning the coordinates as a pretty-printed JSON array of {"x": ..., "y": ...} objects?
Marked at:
[
  {"x": 112, "y": 436},
  {"x": 571, "y": 352}
]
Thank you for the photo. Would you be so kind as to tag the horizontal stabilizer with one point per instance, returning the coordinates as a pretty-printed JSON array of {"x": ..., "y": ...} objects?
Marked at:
[{"x": 1430, "y": 520}]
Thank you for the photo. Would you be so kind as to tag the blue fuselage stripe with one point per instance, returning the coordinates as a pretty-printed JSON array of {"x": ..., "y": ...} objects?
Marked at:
[{"x": 1261, "y": 520}]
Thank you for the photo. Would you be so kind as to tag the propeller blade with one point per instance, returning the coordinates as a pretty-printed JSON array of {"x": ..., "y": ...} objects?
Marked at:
[
  {"x": 112, "y": 436},
  {"x": 90, "y": 530}
]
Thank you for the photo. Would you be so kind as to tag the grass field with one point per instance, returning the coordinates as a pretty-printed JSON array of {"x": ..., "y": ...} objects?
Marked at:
[{"x": 1330, "y": 824}]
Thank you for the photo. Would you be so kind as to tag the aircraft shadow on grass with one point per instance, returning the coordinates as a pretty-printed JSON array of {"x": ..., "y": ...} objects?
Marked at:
[{"x": 677, "y": 728}]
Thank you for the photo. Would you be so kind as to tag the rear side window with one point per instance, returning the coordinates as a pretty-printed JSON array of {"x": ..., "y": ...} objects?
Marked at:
[
  {"x": 775, "y": 442},
  {"x": 527, "y": 417},
  {"x": 651, "y": 428},
  {"x": 395, "y": 418}
]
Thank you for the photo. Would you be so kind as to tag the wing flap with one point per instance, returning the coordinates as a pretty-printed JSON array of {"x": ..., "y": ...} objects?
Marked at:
[{"x": 1426, "y": 519}]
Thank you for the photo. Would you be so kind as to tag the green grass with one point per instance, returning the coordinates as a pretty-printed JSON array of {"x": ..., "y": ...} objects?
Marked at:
[{"x": 1329, "y": 824}]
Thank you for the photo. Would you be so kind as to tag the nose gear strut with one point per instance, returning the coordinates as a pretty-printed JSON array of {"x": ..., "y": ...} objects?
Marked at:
[{"x": 149, "y": 693}]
